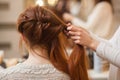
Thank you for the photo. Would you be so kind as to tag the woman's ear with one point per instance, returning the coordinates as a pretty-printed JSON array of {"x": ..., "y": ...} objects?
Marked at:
[{"x": 22, "y": 37}]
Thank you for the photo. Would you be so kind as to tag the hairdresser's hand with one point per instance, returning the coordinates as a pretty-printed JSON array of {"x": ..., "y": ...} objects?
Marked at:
[{"x": 82, "y": 37}]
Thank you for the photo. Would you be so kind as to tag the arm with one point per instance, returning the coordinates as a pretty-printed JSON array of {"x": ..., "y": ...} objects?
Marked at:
[
  {"x": 1, "y": 68},
  {"x": 104, "y": 48},
  {"x": 108, "y": 50},
  {"x": 111, "y": 51}
]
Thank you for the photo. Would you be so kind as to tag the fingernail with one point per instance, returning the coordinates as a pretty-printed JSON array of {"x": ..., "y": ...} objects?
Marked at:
[
  {"x": 69, "y": 24},
  {"x": 78, "y": 37},
  {"x": 69, "y": 28},
  {"x": 69, "y": 32},
  {"x": 76, "y": 41}
]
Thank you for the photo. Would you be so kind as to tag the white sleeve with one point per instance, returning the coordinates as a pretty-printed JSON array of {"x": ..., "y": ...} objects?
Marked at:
[
  {"x": 110, "y": 53},
  {"x": 1, "y": 68},
  {"x": 110, "y": 50}
]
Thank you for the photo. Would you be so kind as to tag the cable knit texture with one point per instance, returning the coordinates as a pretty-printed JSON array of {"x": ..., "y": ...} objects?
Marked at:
[
  {"x": 32, "y": 72},
  {"x": 110, "y": 50}
]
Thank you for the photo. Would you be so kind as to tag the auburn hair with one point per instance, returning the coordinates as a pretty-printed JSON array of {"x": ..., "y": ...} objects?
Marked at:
[{"x": 41, "y": 27}]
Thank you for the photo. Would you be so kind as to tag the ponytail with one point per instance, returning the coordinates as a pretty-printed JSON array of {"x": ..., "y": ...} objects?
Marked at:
[
  {"x": 58, "y": 56},
  {"x": 75, "y": 66}
]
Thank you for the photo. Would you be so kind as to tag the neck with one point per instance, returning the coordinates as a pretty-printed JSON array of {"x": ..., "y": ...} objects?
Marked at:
[{"x": 38, "y": 56}]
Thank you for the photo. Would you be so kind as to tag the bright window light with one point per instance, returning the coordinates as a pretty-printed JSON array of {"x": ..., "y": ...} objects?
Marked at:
[
  {"x": 51, "y": 2},
  {"x": 40, "y": 2}
]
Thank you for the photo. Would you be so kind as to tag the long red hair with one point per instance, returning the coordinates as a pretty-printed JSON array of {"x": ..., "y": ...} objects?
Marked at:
[{"x": 41, "y": 27}]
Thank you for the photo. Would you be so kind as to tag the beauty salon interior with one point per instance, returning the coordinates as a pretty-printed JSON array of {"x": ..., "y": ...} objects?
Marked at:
[{"x": 90, "y": 14}]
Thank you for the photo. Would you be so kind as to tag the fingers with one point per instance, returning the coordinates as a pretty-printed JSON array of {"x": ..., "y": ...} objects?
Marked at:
[
  {"x": 77, "y": 34},
  {"x": 69, "y": 24},
  {"x": 75, "y": 37},
  {"x": 73, "y": 28},
  {"x": 77, "y": 30},
  {"x": 77, "y": 41},
  {"x": 71, "y": 33},
  {"x": 74, "y": 33}
]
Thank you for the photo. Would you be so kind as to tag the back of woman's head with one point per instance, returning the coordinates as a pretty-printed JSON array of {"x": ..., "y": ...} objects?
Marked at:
[
  {"x": 42, "y": 28},
  {"x": 38, "y": 26}
]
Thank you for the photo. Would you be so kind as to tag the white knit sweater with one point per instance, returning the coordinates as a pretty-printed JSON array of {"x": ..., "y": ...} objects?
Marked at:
[
  {"x": 32, "y": 72},
  {"x": 110, "y": 50}
]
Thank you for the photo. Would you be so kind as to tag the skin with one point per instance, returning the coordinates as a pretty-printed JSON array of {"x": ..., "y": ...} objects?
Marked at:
[
  {"x": 82, "y": 37},
  {"x": 38, "y": 56},
  {"x": 1, "y": 58}
]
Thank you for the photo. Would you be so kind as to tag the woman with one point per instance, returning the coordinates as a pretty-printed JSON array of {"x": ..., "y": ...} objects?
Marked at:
[
  {"x": 106, "y": 49},
  {"x": 42, "y": 33}
]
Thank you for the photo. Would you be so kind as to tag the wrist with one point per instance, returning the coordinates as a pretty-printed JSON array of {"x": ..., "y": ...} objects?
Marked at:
[{"x": 94, "y": 44}]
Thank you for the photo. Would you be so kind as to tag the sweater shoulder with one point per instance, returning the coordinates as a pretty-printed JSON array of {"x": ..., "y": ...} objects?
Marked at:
[
  {"x": 7, "y": 71},
  {"x": 27, "y": 72}
]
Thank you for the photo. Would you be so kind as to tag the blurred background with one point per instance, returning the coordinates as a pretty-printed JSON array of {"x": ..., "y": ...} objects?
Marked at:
[{"x": 9, "y": 12}]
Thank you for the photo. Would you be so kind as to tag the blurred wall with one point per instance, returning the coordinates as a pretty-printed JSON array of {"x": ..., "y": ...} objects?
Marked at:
[
  {"x": 116, "y": 6},
  {"x": 14, "y": 8},
  {"x": 9, "y": 11},
  {"x": 9, "y": 37}
]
